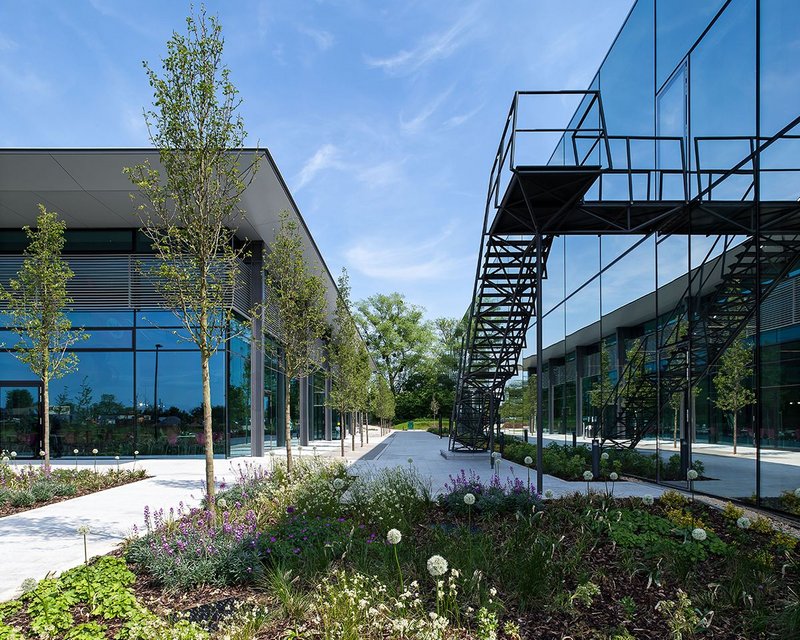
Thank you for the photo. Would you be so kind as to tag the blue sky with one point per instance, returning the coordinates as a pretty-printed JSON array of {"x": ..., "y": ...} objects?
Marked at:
[{"x": 382, "y": 116}]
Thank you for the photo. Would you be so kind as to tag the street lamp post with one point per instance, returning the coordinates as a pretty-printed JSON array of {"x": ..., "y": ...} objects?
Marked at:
[{"x": 155, "y": 395}]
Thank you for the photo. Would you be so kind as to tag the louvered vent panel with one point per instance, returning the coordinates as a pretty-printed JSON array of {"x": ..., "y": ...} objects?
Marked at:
[{"x": 780, "y": 308}]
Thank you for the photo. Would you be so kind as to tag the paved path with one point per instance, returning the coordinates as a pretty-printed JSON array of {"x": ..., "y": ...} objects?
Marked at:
[{"x": 45, "y": 539}]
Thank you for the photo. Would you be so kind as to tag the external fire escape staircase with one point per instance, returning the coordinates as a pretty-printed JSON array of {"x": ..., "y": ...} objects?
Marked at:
[{"x": 600, "y": 184}]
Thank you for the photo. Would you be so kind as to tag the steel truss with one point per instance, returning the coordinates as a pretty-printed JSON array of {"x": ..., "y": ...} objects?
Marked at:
[{"x": 528, "y": 205}]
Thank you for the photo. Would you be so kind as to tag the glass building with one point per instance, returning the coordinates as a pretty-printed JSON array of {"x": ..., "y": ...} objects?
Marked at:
[
  {"x": 137, "y": 386},
  {"x": 687, "y": 138}
]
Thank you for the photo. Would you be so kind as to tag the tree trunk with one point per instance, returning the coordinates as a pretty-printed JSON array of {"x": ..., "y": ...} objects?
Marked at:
[
  {"x": 734, "y": 431},
  {"x": 675, "y": 429},
  {"x": 288, "y": 422},
  {"x": 353, "y": 431},
  {"x": 208, "y": 431},
  {"x": 46, "y": 420},
  {"x": 361, "y": 427},
  {"x": 341, "y": 430},
  {"x": 366, "y": 419}
]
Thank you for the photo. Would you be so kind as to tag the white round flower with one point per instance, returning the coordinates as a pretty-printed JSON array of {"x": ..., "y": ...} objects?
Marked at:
[
  {"x": 94, "y": 451},
  {"x": 14, "y": 455},
  {"x": 614, "y": 476},
  {"x": 647, "y": 499},
  {"x": 528, "y": 460},
  {"x": 743, "y": 522},
  {"x": 83, "y": 530},
  {"x": 394, "y": 536},
  {"x": 116, "y": 457},
  {"x": 28, "y": 584},
  {"x": 588, "y": 475},
  {"x": 469, "y": 499},
  {"x": 338, "y": 484},
  {"x": 75, "y": 451},
  {"x": 796, "y": 491},
  {"x": 495, "y": 454},
  {"x": 222, "y": 503},
  {"x": 699, "y": 534},
  {"x": 41, "y": 453},
  {"x": 691, "y": 474},
  {"x": 604, "y": 455},
  {"x": 136, "y": 453},
  {"x": 437, "y": 566},
  {"x": 548, "y": 494}
]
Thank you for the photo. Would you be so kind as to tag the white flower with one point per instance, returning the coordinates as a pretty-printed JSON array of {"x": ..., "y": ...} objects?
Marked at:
[
  {"x": 437, "y": 566},
  {"x": 75, "y": 451},
  {"x": 28, "y": 584},
  {"x": 495, "y": 454},
  {"x": 394, "y": 536},
  {"x": 41, "y": 453},
  {"x": 647, "y": 499},
  {"x": 136, "y": 453},
  {"x": 548, "y": 494},
  {"x": 699, "y": 534},
  {"x": 14, "y": 455},
  {"x": 614, "y": 476},
  {"x": 691, "y": 474},
  {"x": 604, "y": 455},
  {"x": 743, "y": 522},
  {"x": 338, "y": 484},
  {"x": 222, "y": 503},
  {"x": 83, "y": 530},
  {"x": 116, "y": 457},
  {"x": 796, "y": 491},
  {"x": 6, "y": 459},
  {"x": 528, "y": 460},
  {"x": 588, "y": 475},
  {"x": 94, "y": 451},
  {"x": 469, "y": 499}
]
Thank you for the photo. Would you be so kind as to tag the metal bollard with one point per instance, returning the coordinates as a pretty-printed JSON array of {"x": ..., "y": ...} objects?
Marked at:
[{"x": 596, "y": 458}]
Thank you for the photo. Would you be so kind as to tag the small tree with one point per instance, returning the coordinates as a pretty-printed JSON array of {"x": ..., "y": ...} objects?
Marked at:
[
  {"x": 190, "y": 215},
  {"x": 35, "y": 302},
  {"x": 732, "y": 394},
  {"x": 675, "y": 401},
  {"x": 384, "y": 403},
  {"x": 529, "y": 401},
  {"x": 342, "y": 355},
  {"x": 298, "y": 296},
  {"x": 603, "y": 388},
  {"x": 434, "y": 407}
]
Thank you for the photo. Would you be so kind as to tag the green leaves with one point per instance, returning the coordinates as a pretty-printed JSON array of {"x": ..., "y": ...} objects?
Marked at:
[{"x": 734, "y": 369}]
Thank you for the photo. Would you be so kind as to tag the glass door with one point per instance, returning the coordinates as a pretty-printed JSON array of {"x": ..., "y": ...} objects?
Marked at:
[
  {"x": 20, "y": 419},
  {"x": 672, "y": 122}
]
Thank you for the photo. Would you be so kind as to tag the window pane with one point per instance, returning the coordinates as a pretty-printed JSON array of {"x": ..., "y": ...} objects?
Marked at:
[
  {"x": 107, "y": 240},
  {"x": 678, "y": 25},
  {"x": 147, "y": 339},
  {"x": 101, "y": 318},
  {"x": 239, "y": 397}
]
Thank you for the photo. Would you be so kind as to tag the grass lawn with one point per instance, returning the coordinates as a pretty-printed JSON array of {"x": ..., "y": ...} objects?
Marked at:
[{"x": 322, "y": 554}]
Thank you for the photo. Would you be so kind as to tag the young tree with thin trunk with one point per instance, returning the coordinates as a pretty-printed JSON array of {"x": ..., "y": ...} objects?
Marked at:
[
  {"x": 733, "y": 395},
  {"x": 342, "y": 354},
  {"x": 297, "y": 293},
  {"x": 35, "y": 302},
  {"x": 190, "y": 211},
  {"x": 602, "y": 388}
]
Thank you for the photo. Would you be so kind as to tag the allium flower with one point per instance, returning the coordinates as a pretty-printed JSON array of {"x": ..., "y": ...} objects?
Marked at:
[
  {"x": 14, "y": 455},
  {"x": 394, "y": 536},
  {"x": 647, "y": 499},
  {"x": 796, "y": 491},
  {"x": 136, "y": 453},
  {"x": 222, "y": 503},
  {"x": 588, "y": 476},
  {"x": 691, "y": 474},
  {"x": 469, "y": 499},
  {"x": 614, "y": 476},
  {"x": 116, "y": 457},
  {"x": 437, "y": 566},
  {"x": 6, "y": 458},
  {"x": 83, "y": 530},
  {"x": 495, "y": 454},
  {"x": 41, "y": 453},
  {"x": 411, "y": 461},
  {"x": 28, "y": 584},
  {"x": 699, "y": 534},
  {"x": 75, "y": 451},
  {"x": 94, "y": 451},
  {"x": 528, "y": 460},
  {"x": 604, "y": 455},
  {"x": 338, "y": 484},
  {"x": 548, "y": 494},
  {"x": 743, "y": 522}
]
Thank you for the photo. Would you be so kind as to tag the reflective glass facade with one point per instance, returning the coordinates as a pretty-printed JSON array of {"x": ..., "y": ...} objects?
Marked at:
[{"x": 724, "y": 77}]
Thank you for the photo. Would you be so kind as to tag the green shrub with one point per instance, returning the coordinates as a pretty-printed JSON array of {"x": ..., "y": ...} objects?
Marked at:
[
  {"x": 43, "y": 490},
  {"x": 63, "y": 489},
  {"x": 5, "y": 496},
  {"x": 22, "y": 498}
]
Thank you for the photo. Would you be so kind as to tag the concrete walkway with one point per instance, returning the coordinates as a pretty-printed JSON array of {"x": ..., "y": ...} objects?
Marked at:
[{"x": 44, "y": 540}]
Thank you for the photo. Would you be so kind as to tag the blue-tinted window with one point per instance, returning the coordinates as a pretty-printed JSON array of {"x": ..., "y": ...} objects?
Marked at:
[
  {"x": 679, "y": 23},
  {"x": 101, "y": 318},
  {"x": 105, "y": 339},
  {"x": 723, "y": 96},
  {"x": 156, "y": 318},
  {"x": 147, "y": 339}
]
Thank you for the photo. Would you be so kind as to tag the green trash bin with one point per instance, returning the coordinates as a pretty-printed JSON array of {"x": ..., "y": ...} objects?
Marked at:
[{"x": 410, "y": 425}]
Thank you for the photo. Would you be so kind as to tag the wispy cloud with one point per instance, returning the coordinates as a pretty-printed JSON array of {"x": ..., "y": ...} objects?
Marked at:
[
  {"x": 416, "y": 123},
  {"x": 23, "y": 81},
  {"x": 458, "y": 120},
  {"x": 323, "y": 39},
  {"x": 433, "y": 47},
  {"x": 326, "y": 157},
  {"x": 408, "y": 262},
  {"x": 382, "y": 174}
]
